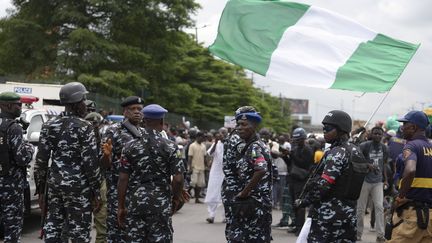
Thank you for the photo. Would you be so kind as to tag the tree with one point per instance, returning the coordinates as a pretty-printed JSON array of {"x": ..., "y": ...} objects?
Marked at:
[{"x": 121, "y": 48}]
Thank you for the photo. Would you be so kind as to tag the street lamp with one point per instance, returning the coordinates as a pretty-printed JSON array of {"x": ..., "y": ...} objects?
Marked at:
[
  {"x": 196, "y": 31},
  {"x": 262, "y": 87}
]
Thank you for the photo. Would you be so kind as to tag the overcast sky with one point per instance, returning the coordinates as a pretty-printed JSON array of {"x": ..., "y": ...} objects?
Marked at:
[{"x": 401, "y": 19}]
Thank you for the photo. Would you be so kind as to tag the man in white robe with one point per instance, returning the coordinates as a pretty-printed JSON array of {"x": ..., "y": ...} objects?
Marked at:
[{"x": 213, "y": 197}]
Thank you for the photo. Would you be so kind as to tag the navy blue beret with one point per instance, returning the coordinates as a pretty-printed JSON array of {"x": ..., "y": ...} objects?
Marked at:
[
  {"x": 252, "y": 116},
  {"x": 154, "y": 111},
  {"x": 132, "y": 100}
]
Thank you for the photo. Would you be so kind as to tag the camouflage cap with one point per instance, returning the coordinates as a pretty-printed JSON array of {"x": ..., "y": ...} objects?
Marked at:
[{"x": 9, "y": 97}]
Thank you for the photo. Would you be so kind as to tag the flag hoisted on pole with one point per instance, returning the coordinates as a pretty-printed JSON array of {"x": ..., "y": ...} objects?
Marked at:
[{"x": 309, "y": 46}]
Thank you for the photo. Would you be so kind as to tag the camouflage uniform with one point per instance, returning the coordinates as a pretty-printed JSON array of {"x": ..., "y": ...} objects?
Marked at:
[
  {"x": 12, "y": 183},
  {"x": 119, "y": 136},
  {"x": 230, "y": 184},
  {"x": 72, "y": 179},
  {"x": 150, "y": 161},
  {"x": 333, "y": 219},
  {"x": 255, "y": 227}
]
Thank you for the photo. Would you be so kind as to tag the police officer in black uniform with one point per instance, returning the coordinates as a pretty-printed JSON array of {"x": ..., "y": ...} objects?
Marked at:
[
  {"x": 329, "y": 190},
  {"x": 73, "y": 179},
  {"x": 15, "y": 155}
]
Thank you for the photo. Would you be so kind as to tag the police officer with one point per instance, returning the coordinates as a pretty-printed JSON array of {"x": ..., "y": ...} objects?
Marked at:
[
  {"x": 15, "y": 155},
  {"x": 414, "y": 202},
  {"x": 251, "y": 207},
  {"x": 73, "y": 179},
  {"x": 114, "y": 139},
  {"x": 232, "y": 143},
  {"x": 333, "y": 216},
  {"x": 145, "y": 176}
]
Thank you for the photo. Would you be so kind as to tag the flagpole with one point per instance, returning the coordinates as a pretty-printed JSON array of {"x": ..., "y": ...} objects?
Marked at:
[{"x": 376, "y": 109}]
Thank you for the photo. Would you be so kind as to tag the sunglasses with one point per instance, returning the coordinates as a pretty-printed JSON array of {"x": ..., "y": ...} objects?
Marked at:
[{"x": 328, "y": 128}]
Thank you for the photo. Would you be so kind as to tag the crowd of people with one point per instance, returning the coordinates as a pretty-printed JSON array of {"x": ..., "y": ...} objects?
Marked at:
[{"x": 133, "y": 175}]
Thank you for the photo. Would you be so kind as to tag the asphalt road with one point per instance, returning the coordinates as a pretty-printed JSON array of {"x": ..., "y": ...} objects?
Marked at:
[{"x": 189, "y": 227}]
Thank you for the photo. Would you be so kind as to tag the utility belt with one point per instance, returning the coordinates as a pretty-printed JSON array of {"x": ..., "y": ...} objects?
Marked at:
[
  {"x": 153, "y": 179},
  {"x": 422, "y": 212}
]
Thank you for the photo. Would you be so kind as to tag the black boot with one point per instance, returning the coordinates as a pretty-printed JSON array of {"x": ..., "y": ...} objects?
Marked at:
[{"x": 197, "y": 193}]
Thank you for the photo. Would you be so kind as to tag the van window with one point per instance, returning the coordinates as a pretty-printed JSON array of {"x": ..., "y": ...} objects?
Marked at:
[{"x": 35, "y": 125}]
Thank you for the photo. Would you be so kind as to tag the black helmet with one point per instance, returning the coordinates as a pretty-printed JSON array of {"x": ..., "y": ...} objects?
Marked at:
[
  {"x": 73, "y": 92},
  {"x": 340, "y": 119},
  {"x": 299, "y": 133}
]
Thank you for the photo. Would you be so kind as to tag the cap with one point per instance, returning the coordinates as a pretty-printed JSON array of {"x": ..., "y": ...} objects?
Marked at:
[
  {"x": 418, "y": 118},
  {"x": 299, "y": 133},
  {"x": 132, "y": 100},
  {"x": 252, "y": 116},
  {"x": 9, "y": 97},
  {"x": 154, "y": 111}
]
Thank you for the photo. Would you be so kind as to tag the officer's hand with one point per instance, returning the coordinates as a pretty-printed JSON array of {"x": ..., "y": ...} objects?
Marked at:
[
  {"x": 107, "y": 148},
  {"x": 301, "y": 203},
  {"x": 400, "y": 201},
  {"x": 121, "y": 217},
  {"x": 179, "y": 199},
  {"x": 243, "y": 194},
  {"x": 185, "y": 196}
]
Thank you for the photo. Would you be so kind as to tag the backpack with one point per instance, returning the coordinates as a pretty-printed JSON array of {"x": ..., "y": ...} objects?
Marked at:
[
  {"x": 4, "y": 146},
  {"x": 348, "y": 186}
]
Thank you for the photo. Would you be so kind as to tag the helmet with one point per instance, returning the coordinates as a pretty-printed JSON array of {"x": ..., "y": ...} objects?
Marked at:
[
  {"x": 339, "y": 119},
  {"x": 73, "y": 92},
  {"x": 299, "y": 133},
  {"x": 94, "y": 117}
]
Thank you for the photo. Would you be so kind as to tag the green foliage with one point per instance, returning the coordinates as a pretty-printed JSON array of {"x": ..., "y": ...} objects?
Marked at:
[
  {"x": 120, "y": 48},
  {"x": 114, "y": 84}
]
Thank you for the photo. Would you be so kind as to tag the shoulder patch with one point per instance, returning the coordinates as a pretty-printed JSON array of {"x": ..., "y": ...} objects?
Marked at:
[{"x": 406, "y": 153}]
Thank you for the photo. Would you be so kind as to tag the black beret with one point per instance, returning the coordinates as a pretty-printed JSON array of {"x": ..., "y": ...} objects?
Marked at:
[{"x": 132, "y": 100}]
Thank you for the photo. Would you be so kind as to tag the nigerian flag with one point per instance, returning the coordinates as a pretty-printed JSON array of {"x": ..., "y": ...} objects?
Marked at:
[{"x": 309, "y": 46}]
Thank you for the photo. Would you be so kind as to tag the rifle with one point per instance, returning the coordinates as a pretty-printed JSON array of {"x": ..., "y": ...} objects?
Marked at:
[
  {"x": 44, "y": 210},
  {"x": 302, "y": 201}
]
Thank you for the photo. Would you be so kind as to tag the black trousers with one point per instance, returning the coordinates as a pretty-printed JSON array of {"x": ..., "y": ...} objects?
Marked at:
[{"x": 296, "y": 188}]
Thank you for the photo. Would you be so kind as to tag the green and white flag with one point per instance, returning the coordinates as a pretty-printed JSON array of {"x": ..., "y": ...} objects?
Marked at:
[{"x": 309, "y": 46}]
